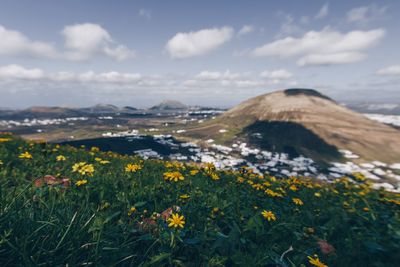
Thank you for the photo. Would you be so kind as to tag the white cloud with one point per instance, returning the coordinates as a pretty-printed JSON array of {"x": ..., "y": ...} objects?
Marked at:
[
  {"x": 330, "y": 59},
  {"x": 323, "y": 12},
  {"x": 85, "y": 40},
  {"x": 276, "y": 74},
  {"x": 322, "y": 48},
  {"x": 145, "y": 13},
  {"x": 365, "y": 14},
  {"x": 18, "y": 72},
  {"x": 82, "y": 41},
  {"x": 390, "y": 71},
  {"x": 14, "y": 43},
  {"x": 216, "y": 75},
  {"x": 246, "y": 29},
  {"x": 185, "y": 45}
]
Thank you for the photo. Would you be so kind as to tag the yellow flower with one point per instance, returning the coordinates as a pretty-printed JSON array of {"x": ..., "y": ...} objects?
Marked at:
[
  {"x": 317, "y": 194},
  {"x": 194, "y": 172},
  {"x": 293, "y": 187},
  {"x": 104, "y": 162},
  {"x": 240, "y": 180},
  {"x": 173, "y": 176},
  {"x": 81, "y": 182},
  {"x": 4, "y": 140},
  {"x": 1, "y": 162},
  {"x": 365, "y": 209},
  {"x": 316, "y": 262},
  {"x": 185, "y": 196},
  {"x": 94, "y": 149},
  {"x": 98, "y": 159},
  {"x": 132, "y": 167},
  {"x": 61, "y": 158},
  {"x": 25, "y": 155},
  {"x": 176, "y": 221},
  {"x": 214, "y": 176},
  {"x": 83, "y": 168},
  {"x": 131, "y": 211},
  {"x": 269, "y": 215},
  {"x": 257, "y": 186},
  {"x": 298, "y": 201}
]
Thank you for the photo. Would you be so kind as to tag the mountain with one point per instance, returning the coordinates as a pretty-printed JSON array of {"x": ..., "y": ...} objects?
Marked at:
[
  {"x": 101, "y": 109},
  {"x": 303, "y": 121},
  {"x": 386, "y": 109},
  {"x": 169, "y": 105}
]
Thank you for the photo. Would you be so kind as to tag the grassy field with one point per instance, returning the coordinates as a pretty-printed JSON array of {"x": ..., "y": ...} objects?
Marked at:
[{"x": 62, "y": 206}]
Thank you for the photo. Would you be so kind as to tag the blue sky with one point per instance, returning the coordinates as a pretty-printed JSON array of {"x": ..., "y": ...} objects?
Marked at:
[{"x": 215, "y": 53}]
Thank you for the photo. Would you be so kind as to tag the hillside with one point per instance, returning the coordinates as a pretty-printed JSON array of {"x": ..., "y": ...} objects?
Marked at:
[
  {"x": 305, "y": 114},
  {"x": 65, "y": 206}
]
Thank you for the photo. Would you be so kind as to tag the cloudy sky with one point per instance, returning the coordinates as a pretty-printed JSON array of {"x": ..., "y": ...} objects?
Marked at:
[{"x": 214, "y": 53}]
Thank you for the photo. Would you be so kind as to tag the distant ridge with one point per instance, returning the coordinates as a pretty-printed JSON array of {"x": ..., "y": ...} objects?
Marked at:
[{"x": 169, "y": 105}]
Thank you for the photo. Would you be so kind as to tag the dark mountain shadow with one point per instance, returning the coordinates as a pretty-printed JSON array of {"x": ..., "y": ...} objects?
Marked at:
[{"x": 291, "y": 138}]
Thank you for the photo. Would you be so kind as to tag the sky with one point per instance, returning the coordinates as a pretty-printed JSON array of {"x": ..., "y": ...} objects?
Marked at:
[{"x": 211, "y": 53}]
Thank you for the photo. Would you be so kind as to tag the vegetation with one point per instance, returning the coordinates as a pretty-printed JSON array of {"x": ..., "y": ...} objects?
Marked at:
[{"x": 68, "y": 206}]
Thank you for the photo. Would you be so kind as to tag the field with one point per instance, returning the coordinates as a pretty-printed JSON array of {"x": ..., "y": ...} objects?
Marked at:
[{"x": 63, "y": 206}]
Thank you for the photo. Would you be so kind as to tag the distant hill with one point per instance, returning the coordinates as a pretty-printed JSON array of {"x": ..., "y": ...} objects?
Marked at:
[
  {"x": 306, "y": 122},
  {"x": 386, "y": 109},
  {"x": 169, "y": 105}
]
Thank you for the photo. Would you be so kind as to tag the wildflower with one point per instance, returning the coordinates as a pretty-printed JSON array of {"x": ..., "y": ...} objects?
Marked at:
[
  {"x": 131, "y": 211},
  {"x": 269, "y": 215},
  {"x": 132, "y": 167},
  {"x": 2, "y": 140},
  {"x": 298, "y": 201},
  {"x": 194, "y": 172},
  {"x": 185, "y": 196},
  {"x": 316, "y": 262},
  {"x": 173, "y": 176},
  {"x": 25, "y": 155},
  {"x": 61, "y": 158},
  {"x": 317, "y": 194},
  {"x": 240, "y": 180},
  {"x": 81, "y": 182},
  {"x": 94, "y": 149},
  {"x": 257, "y": 186},
  {"x": 98, "y": 159},
  {"x": 104, "y": 162},
  {"x": 366, "y": 209},
  {"x": 214, "y": 176},
  {"x": 176, "y": 221},
  {"x": 83, "y": 168},
  {"x": 1, "y": 162},
  {"x": 293, "y": 187}
]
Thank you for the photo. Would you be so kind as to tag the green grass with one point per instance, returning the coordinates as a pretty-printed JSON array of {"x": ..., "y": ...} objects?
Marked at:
[{"x": 59, "y": 225}]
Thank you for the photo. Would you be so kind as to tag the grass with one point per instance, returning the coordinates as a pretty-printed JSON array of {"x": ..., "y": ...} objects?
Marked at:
[{"x": 121, "y": 216}]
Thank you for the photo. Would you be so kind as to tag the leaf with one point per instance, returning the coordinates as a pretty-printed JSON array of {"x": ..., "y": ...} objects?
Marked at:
[
  {"x": 159, "y": 258},
  {"x": 112, "y": 216},
  {"x": 140, "y": 204}
]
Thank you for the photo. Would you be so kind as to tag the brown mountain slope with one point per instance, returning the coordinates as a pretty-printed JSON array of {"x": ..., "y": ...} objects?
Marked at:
[{"x": 334, "y": 124}]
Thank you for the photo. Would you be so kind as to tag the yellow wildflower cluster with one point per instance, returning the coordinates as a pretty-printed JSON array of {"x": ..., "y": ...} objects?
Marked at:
[
  {"x": 132, "y": 167},
  {"x": 174, "y": 164},
  {"x": 83, "y": 168},
  {"x": 173, "y": 176},
  {"x": 194, "y": 172},
  {"x": 2, "y": 140}
]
